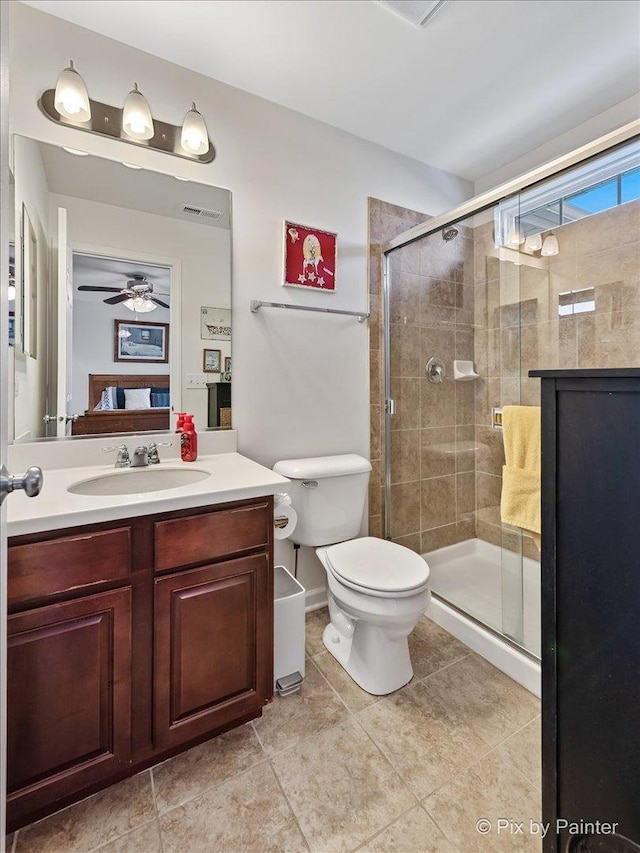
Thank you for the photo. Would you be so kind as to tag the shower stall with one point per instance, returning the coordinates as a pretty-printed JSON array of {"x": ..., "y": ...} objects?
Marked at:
[{"x": 542, "y": 273}]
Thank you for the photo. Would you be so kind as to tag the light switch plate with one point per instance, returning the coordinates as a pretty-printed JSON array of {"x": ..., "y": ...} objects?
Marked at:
[{"x": 197, "y": 380}]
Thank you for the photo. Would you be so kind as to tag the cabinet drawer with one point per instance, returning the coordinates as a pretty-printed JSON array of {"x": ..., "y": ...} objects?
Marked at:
[
  {"x": 42, "y": 569},
  {"x": 206, "y": 537}
]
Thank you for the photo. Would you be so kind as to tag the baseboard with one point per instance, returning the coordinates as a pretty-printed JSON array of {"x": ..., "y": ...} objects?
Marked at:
[{"x": 315, "y": 598}]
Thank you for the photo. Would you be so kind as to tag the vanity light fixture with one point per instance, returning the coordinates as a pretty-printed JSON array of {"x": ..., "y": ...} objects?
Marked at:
[
  {"x": 136, "y": 115},
  {"x": 550, "y": 246},
  {"x": 71, "y": 98},
  {"x": 516, "y": 237},
  {"x": 69, "y": 105},
  {"x": 194, "y": 137},
  {"x": 533, "y": 243}
]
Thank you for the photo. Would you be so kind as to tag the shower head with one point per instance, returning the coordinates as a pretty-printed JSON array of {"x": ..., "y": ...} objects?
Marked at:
[{"x": 449, "y": 233}]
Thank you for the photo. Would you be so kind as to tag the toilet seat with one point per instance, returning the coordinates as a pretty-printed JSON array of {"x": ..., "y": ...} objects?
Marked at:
[{"x": 378, "y": 567}]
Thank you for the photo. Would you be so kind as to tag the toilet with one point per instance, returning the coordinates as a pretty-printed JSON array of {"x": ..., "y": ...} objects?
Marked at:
[{"x": 377, "y": 590}]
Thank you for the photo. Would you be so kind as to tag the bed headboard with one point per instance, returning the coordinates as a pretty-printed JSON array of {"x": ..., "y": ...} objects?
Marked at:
[{"x": 99, "y": 381}]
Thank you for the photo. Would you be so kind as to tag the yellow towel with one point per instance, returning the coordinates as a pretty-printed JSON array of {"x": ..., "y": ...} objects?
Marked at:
[{"x": 520, "y": 502}]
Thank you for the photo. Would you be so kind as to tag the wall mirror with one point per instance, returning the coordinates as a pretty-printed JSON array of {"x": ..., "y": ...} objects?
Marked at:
[{"x": 116, "y": 273}]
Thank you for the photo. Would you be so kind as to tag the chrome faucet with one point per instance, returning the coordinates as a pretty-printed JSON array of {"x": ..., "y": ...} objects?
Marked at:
[
  {"x": 123, "y": 460},
  {"x": 140, "y": 457}
]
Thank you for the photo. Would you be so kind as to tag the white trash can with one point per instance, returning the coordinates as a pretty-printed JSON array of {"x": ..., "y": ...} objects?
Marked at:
[{"x": 288, "y": 632}]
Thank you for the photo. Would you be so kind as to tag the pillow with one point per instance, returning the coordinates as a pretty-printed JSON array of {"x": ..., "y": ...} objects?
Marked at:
[
  {"x": 159, "y": 390},
  {"x": 120, "y": 398},
  {"x": 108, "y": 400},
  {"x": 137, "y": 398},
  {"x": 159, "y": 401}
]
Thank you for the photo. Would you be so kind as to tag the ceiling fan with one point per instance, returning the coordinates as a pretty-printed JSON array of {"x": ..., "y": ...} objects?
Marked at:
[{"x": 137, "y": 294}]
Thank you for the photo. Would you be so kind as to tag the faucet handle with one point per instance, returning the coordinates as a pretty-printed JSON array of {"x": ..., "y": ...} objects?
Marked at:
[
  {"x": 123, "y": 460},
  {"x": 152, "y": 454}
]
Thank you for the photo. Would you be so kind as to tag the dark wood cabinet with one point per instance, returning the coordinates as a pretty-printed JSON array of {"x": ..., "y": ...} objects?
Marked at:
[
  {"x": 590, "y": 609},
  {"x": 69, "y": 697},
  {"x": 131, "y": 641},
  {"x": 207, "y": 657}
]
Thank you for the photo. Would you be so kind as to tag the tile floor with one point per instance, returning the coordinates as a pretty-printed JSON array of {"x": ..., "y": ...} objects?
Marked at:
[{"x": 335, "y": 769}]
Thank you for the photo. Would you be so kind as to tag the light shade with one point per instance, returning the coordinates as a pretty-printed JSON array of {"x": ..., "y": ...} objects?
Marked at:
[
  {"x": 194, "y": 137},
  {"x": 71, "y": 98},
  {"x": 550, "y": 246},
  {"x": 516, "y": 237},
  {"x": 136, "y": 115},
  {"x": 533, "y": 243},
  {"x": 140, "y": 305}
]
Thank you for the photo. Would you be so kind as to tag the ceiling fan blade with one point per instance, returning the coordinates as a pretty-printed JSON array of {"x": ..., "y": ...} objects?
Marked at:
[
  {"x": 114, "y": 300},
  {"x": 100, "y": 289},
  {"x": 159, "y": 302}
]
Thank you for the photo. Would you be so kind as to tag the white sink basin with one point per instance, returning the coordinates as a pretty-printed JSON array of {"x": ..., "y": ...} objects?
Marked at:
[{"x": 135, "y": 481}]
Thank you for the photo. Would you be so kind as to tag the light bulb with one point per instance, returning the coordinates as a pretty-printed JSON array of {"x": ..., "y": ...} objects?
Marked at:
[
  {"x": 550, "y": 246},
  {"x": 194, "y": 137},
  {"x": 516, "y": 237},
  {"x": 533, "y": 243},
  {"x": 136, "y": 115},
  {"x": 140, "y": 305},
  {"x": 71, "y": 98}
]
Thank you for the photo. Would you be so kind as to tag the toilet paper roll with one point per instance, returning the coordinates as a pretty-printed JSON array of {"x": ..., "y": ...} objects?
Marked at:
[{"x": 281, "y": 512}]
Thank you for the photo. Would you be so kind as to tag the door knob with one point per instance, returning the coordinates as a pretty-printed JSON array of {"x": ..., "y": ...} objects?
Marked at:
[{"x": 31, "y": 483}]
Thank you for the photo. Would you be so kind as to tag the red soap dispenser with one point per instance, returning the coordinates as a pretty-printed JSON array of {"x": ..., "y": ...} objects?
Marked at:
[
  {"x": 180, "y": 422},
  {"x": 189, "y": 440}
]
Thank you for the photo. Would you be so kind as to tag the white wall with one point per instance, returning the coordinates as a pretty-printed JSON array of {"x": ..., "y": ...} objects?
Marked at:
[
  {"x": 202, "y": 253},
  {"x": 27, "y": 382},
  {"x": 623, "y": 113},
  {"x": 300, "y": 381}
]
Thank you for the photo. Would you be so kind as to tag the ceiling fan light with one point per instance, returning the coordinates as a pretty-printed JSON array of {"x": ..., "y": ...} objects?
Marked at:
[
  {"x": 194, "y": 137},
  {"x": 71, "y": 98},
  {"x": 140, "y": 305},
  {"x": 136, "y": 115}
]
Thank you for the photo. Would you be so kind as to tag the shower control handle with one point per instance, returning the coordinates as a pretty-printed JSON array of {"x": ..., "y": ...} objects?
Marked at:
[{"x": 435, "y": 370}]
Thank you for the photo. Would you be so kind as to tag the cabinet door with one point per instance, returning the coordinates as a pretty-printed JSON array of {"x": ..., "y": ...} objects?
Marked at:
[
  {"x": 69, "y": 698},
  {"x": 213, "y": 650}
]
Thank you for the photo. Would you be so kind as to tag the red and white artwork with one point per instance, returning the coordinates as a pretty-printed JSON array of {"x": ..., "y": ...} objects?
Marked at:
[{"x": 309, "y": 257}]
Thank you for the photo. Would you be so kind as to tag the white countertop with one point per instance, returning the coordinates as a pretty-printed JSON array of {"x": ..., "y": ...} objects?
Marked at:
[{"x": 233, "y": 477}]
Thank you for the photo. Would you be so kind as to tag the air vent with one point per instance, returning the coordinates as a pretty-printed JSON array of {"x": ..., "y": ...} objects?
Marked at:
[
  {"x": 201, "y": 212},
  {"x": 416, "y": 12}
]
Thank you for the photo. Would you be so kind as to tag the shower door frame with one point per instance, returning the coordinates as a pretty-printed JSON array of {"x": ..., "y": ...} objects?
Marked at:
[{"x": 473, "y": 206}]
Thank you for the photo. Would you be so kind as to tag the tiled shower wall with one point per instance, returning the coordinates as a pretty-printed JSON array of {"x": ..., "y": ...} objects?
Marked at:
[
  {"x": 519, "y": 327},
  {"x": 466, "y": 299},
  {"x": 431, "y": 314}
]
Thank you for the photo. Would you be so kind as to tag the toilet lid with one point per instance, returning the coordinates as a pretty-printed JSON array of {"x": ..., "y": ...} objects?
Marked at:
[{"x": 378, "y": 564}]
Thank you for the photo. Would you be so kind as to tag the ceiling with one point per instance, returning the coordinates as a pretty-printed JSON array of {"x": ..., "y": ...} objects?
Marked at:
[
  {"x": 484, "y": 83},
  {"x": 110, "y": 182},
  {"x": 97, "y": 271}
]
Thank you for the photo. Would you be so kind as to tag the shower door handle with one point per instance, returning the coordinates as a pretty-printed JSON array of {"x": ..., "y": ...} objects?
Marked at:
[{"x": 390, "y": 407}]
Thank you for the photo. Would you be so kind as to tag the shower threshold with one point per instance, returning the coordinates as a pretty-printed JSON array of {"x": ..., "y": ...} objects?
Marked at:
[{"x": 467, "y": 581}]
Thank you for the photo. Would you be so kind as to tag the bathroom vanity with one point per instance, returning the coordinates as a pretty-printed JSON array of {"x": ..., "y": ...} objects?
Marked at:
[{"x": 134, "y": 638}]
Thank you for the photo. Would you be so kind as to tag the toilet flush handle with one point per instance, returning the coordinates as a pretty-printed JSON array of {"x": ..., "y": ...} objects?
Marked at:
[{"x": 310, "y": 484}]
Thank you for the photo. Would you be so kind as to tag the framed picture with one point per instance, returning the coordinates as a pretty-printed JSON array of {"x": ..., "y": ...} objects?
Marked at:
[
  {"x": 227, "y": 364},
  {"x": 211, "y": 361},
  {"x": 215, "y": 324},
  {"x": 137, "y": 340},
  {"x": 310, "y": 256}
]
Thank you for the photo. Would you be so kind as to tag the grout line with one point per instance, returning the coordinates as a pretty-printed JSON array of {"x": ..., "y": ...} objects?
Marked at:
[
  {"x": 14, "y": 843},
  {"x": 437, "y": 825},
  {"x": 291, "y": 809},
  {"x": 155, "y": 807},
  {"x": 385, "y": 827},
  {"x": 257, "y": 734},
  {"x": 126, "y": 834},
  {"x": 446, "y": 666}
]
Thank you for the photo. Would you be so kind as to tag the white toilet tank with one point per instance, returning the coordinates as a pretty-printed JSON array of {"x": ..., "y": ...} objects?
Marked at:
[{"x": 328, "y": 493}]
